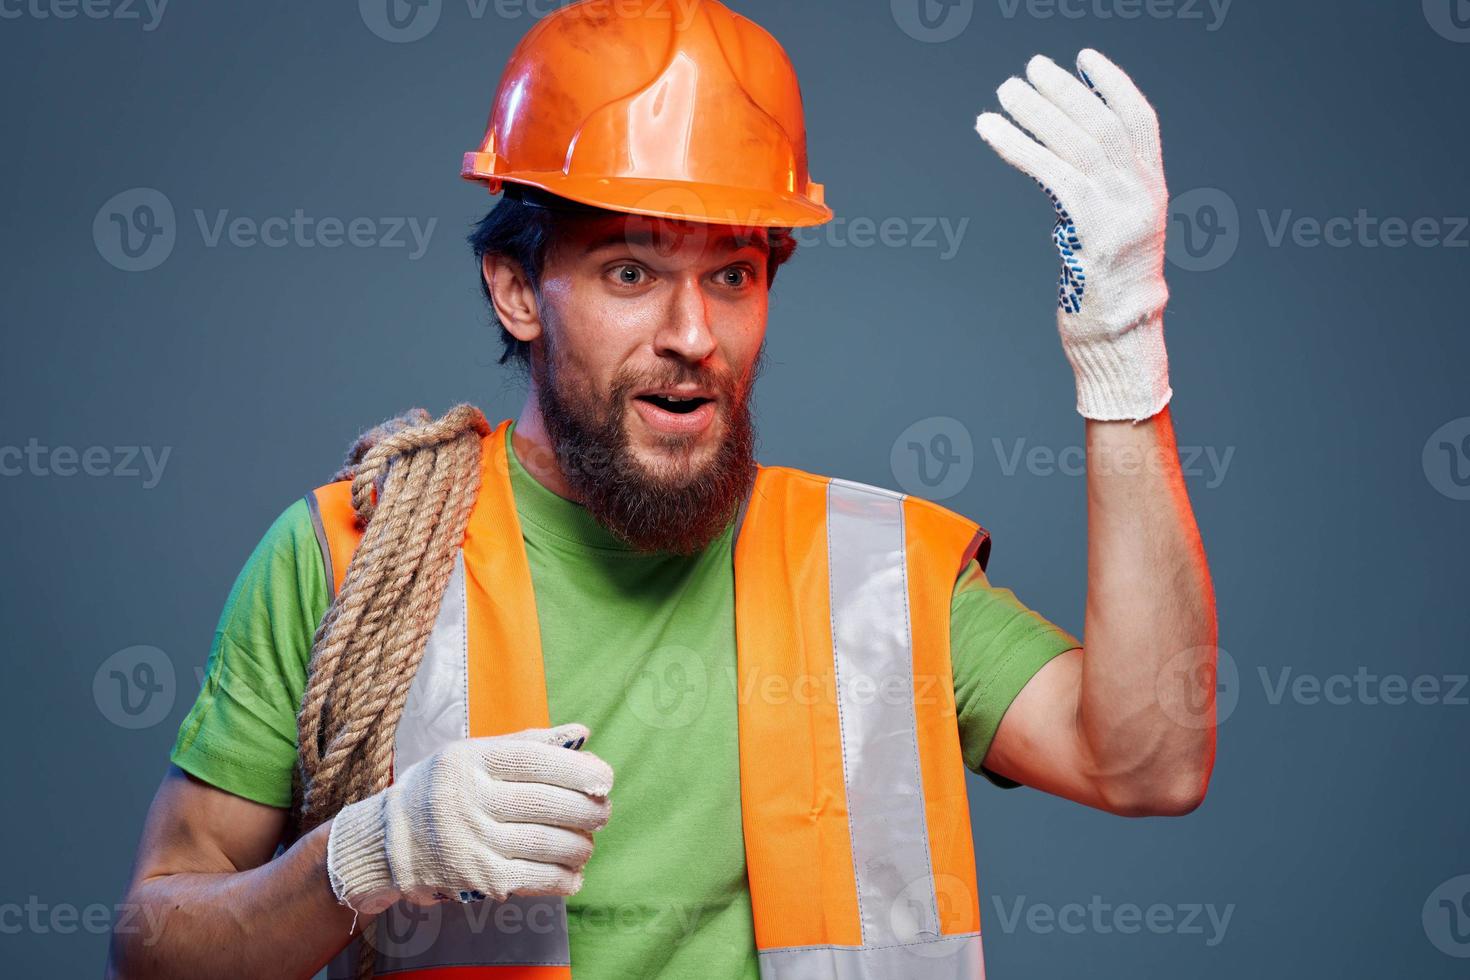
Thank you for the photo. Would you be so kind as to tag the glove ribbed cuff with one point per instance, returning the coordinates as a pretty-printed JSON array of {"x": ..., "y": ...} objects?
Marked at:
[
  {"x": 1124, "y": 376},
  {"x": 357, "y": 861}
]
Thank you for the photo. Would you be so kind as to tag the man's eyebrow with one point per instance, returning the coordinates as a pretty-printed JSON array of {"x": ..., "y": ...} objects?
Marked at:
[{"x": 727, "y": 241}]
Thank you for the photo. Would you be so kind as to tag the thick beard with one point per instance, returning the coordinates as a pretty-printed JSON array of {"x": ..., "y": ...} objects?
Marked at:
[{"x": 678, "y": 512}]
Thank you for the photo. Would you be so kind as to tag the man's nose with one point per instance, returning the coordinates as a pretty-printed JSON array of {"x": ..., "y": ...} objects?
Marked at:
[{"x": 686, "y": 330}]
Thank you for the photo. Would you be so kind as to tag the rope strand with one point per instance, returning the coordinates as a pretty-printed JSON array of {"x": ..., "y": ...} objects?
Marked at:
[{"x": 414, "y": 482}]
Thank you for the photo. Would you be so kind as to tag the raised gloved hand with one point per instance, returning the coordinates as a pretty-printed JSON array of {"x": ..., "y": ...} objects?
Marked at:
[
  {"x": 1096, "y": 152},
  {"x": 481, "y": 818}
]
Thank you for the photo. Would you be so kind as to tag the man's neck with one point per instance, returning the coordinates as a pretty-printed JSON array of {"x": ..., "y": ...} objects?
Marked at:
[{"x": 534, "y": 449}]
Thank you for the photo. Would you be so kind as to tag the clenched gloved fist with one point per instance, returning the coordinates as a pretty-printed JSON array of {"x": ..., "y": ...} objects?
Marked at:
[
  {"x": 1094, "y": 148},
  {"x": 481, "y": 818}
]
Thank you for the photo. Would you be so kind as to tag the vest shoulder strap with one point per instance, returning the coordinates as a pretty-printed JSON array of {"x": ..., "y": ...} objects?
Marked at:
[
  {"x": 775, "y": 482},
  {"x": 337, "y": 534},
  {"x": 335, "y": 519}
]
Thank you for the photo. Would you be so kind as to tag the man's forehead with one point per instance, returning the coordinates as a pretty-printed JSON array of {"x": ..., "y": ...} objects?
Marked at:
[{"x": 663, "y": 234}]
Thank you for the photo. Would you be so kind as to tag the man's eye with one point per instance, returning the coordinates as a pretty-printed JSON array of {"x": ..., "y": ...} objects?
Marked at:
[
  {"x": 735, "y": 276},
  {"x": 628, "y": 275}
]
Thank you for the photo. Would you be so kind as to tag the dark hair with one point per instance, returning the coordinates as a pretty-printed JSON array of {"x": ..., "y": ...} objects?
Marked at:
[{"x": 522, "y": 226}]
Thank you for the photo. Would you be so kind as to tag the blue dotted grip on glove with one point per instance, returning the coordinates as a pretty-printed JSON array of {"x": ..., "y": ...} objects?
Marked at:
[{"x": 1073, "y": 281}]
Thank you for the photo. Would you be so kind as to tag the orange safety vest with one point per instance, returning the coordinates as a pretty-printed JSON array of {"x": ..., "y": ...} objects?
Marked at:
[{"x": 852, "y": 784}]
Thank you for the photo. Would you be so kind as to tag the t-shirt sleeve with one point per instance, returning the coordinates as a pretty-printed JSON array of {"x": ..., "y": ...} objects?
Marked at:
[
  {"x": 240, "y": 734},
  {"x": 997, "y": 645}
]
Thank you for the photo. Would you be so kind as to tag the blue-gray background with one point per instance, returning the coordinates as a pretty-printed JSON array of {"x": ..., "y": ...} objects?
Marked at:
[{"x": 1318, "y": 376}]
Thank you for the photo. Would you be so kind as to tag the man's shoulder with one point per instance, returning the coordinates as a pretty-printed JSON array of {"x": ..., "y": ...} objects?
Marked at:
[
  {"x": 279, "y": 590},
  {"x": 287, "y": 538}
]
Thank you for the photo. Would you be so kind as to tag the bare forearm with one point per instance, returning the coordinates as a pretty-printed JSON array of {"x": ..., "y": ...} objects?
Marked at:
[
  {"x": 1146, "y": 710},
  {"x": 280, "y": 919}
]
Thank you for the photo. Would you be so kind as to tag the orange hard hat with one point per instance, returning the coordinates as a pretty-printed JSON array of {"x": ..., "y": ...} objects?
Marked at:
[{"x": 672, "y": 108}]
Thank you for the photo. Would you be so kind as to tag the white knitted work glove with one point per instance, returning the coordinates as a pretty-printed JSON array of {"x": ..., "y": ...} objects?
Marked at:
[
  {"x": 481, "y": 818},
  {"x": 1096, "y": 152}
]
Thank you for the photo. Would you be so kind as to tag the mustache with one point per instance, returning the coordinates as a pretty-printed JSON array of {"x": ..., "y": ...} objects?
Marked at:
[{"x": 723, "y": 383}]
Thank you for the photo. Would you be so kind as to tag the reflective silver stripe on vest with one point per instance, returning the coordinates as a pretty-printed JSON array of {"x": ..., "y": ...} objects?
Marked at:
[
  {"x": 873, "y": 660},
  {"x": 314, "y": 508},
  {"x": 874, "y": 664},
  {"x": 437, "y": 710},
  {"x": 949, "y": 958},
  {"x": 520, "y": 931},
  {"x": 516, "y": 932}
]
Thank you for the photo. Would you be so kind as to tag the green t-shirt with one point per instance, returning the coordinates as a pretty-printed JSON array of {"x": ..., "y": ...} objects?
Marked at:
[{"x": 641, "y": 649}]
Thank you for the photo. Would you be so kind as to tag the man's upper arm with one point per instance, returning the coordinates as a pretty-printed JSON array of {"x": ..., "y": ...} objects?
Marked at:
[
  {"x": 240, "y": 734},
  {"x": 193, "y": 827},
  {"x": 997, "y": 647},
  {"x": 1018, "y": 686},
  {"x": 1038, "y": 742}
]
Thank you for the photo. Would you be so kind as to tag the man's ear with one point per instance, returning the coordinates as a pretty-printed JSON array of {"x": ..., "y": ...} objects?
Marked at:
[{"x": 512, "y": 296}]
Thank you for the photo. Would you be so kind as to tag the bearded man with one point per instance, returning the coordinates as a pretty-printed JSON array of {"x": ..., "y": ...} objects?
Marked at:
[{"x": 385, "y": 769}]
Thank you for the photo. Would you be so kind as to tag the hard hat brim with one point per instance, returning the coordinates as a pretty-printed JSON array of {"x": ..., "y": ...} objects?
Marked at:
[{"x": 679, "y": 200}]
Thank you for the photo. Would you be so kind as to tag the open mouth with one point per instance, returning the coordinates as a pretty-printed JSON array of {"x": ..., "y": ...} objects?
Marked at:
[
  {"x": 678, "y": 406},
  {"x": 673, "y": 413}
]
